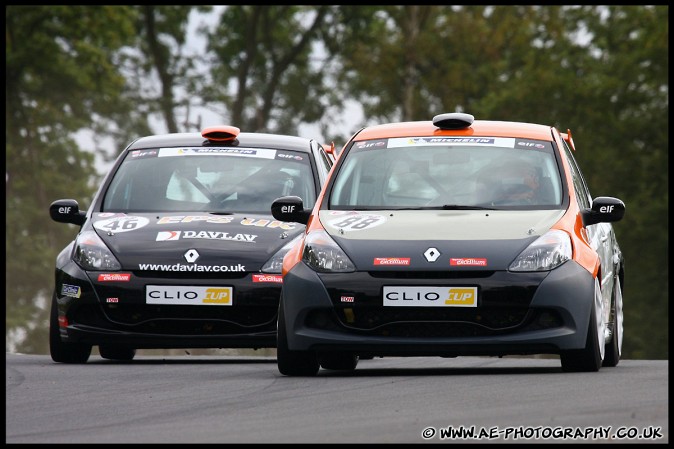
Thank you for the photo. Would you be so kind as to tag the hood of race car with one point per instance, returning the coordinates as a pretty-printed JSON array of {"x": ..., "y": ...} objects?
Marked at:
[
  {"x": 433, "y": 240},
  {"x": 245, "y": 241}
]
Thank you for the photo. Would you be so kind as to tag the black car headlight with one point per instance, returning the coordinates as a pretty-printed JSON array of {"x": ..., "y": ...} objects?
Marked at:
[
  {"x": 322, "y": 254},
  {"x": 275, "y": 263},
  {"x": 92, "y": 254},
  {"x": 545, "y": 253}
]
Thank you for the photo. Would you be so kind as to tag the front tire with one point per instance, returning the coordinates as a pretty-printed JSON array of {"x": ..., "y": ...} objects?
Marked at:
[
  {"x": 292, "y": 363},
  {"x": 614, "y": 347},
  {"x": 60, "y": 351}
]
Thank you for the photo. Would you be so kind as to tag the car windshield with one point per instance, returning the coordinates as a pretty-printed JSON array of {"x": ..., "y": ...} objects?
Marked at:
[
  {"x": 448, "y": 173},
  {"x": 208, "y": 179}
]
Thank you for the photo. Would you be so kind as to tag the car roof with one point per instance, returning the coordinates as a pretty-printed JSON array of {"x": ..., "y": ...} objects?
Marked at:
[
  {"x": 478, "y": 128},
  {"x": 254, "y": 140}
]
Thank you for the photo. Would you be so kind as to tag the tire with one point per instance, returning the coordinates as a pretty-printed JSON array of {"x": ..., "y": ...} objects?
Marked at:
[
  {"x": 60, "y": 351},
  {"x": 339, "y": 361},
  {"x": 614, "y": 347},
  {"x": 113, "y": 352},
  {"x": 588, "y": 359},
  {"x": 292, "y": 363}
]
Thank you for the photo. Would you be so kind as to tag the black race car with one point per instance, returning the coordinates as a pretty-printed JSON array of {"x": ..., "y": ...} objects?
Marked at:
[{"x": 178, "y": 248}]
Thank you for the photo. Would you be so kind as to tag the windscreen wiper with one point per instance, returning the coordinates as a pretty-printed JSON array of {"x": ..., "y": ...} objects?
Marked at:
[{"x": 462, "y": 207}]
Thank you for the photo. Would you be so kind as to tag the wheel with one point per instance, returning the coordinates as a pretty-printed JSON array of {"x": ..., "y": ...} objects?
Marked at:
[
  {"x": 339, "y": 361},
  {"x": 60, "y": 351},
  {"x": 590, "y": 357},
  {"x": 292, "y": 363},
  {"x": 113, "y": 352},
  {"x": 614, "y": 347}
]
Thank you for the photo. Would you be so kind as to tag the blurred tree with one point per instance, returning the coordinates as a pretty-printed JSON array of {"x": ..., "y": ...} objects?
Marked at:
[
  {"x": 262, "y": 71},
  {"x": 60, "y": 73}
]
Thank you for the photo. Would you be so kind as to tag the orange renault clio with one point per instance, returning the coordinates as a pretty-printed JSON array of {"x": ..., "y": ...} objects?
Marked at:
[{"x": 452, "y": 237}]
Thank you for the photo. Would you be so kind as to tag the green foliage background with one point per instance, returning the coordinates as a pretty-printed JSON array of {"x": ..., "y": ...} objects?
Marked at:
[{"x": 117, "y": 71}]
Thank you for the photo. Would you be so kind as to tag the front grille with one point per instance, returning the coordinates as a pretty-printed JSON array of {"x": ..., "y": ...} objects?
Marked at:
[
  {"x": 432, "y": 323},
  {"x": 182, "y": 320}
]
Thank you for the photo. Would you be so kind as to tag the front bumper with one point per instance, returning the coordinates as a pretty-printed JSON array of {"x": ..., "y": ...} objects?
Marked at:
[
  {"x": 517, "y": 313},
  {"x": 116, "y": 312}
]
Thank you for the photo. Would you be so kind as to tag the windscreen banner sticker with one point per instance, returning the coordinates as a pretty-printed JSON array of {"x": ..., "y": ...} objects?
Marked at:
[
  {"x": 530, "y": 144},
  {"x": 121, "y": 224},
  {"x": 164, "y": 236},
  {"x": 370, "y": 144},
  {"x": 188, "y": 296},
  {"x": 399, "y": 296},
  {"x": 263, "y": 153},
  {"x": 287, "y": 156},
  {"x": 74, "y": 291},
  {"x": 138, "y": 154},
  {"x": 350, "y": 221},
  {"x": 505, "y": 142}
]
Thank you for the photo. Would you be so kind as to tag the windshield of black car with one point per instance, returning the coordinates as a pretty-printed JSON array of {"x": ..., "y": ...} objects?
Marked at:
[
  {"x": 218, "y": 180},
  {"x": 448, "y": 173}
]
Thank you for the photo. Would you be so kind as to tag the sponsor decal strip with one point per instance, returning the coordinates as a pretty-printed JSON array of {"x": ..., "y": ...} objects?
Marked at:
[
  {"x": 74, "y": 291},
  {"x": 277, "y": 278},
  {"x": 195, "y": 267},
  {"x": 468, "y": 261},
  {"x": 163, "y": 236},
  {"x": 391, "y": 260},
  {"x": 114, "y": 277}
]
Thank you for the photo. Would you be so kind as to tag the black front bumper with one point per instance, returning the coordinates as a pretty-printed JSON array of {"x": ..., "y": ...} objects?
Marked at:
[{"x": 517, "y": 313}]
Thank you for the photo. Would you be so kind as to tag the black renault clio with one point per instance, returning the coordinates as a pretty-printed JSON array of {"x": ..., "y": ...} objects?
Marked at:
[{"x": 178, "y": 248}]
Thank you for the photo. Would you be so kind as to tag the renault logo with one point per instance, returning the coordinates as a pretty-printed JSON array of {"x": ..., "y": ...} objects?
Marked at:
[
  {"x": 432, "y": 254},
  {"x": 191, "y": 255}
]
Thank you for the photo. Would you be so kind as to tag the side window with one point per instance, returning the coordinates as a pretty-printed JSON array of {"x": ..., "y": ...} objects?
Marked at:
[
  {"x": 322, "y": 160},
  {"x": 579, "y": 185}
]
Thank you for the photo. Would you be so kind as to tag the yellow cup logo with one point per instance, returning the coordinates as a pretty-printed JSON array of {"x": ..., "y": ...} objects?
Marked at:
[
  {"x": 217, "y": 296},
  {"x": 461, "y": 296}
]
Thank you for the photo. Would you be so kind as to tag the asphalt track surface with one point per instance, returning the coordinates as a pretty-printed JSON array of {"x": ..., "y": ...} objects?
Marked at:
[{"x": 229, "y": 399}]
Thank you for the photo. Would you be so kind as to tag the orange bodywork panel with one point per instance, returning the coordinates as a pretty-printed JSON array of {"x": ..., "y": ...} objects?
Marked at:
[
  {"x": 220, "y": 133},
  {"x": 478, "y": 128}
]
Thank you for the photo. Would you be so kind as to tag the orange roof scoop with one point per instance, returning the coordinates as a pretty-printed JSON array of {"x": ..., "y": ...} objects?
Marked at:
[{"x": 220, "y": 133}]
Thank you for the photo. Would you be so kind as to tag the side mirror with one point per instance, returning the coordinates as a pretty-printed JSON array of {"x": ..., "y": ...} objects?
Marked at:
[
  {"x": 290, "y": 208},
  {"x": 67, "y": 211},
  {"x": 604, "y": 209}
]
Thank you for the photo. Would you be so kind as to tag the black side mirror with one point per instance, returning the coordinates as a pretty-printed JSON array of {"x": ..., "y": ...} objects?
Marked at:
[
  {"x": 67, "y": 211},
  {"x": 290, "y": 208},
  {"x": 604, "y": 209}
]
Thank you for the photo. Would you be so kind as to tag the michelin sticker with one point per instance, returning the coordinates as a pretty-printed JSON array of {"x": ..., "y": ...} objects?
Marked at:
[
  {"x": 125, "y": 223},
  {"x": 350, "y": 221}
]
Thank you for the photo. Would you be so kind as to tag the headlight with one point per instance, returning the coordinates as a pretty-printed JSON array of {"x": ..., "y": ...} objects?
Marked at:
[
  {"x": 322, "y": 254},
  {"x": 547, "y": 252},
  {"x": 92, "y": 254},
  {"x": 275, "y": 264}
]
